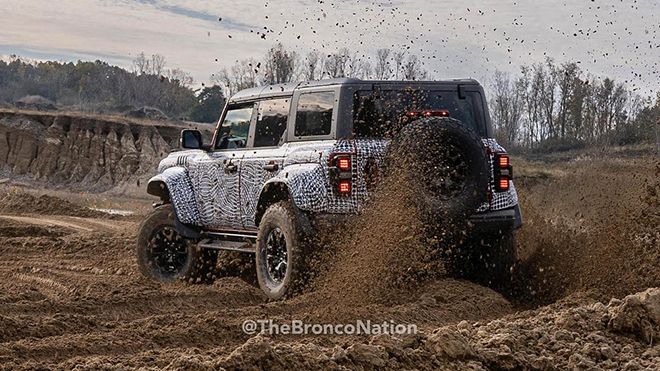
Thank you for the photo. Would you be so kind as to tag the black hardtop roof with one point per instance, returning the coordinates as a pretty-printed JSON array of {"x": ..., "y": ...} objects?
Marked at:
[{"x": 288, "y": 88}]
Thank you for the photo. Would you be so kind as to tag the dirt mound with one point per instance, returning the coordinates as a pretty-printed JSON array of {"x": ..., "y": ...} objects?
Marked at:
[
  {"x": 10, "y": 229},
  {"x": 24, "y": 203},
  {"x": 592, "y": 228},
  {"x": 593, "y": 336},
  {"x": 147, "y": 113},
  {"x": 35, "y": 102}
]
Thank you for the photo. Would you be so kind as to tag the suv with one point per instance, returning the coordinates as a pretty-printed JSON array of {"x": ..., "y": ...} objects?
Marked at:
[{"x": 283, "y": 156}]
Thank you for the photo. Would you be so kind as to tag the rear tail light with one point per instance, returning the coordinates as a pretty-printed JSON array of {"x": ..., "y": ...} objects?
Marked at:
[
  {"x": 503, "y": 172},
  {"x": 344, "y": 187},
  {"x": 344, "y": 163},
  {"x": 341, "y": 172},
  {"x": 503, "y": 161}
]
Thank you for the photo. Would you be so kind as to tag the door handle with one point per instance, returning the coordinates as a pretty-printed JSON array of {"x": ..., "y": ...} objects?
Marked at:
[
  {"x": 231, "y": 168},
  {"x": 271, "y": 167}
]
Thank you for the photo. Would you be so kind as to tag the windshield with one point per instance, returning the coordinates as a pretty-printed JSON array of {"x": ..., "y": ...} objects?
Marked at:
[{"x": 383, "y": 113}]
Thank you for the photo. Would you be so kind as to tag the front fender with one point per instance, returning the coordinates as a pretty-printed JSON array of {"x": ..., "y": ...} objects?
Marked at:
[
  {"x": 306, "y": 184},
  {"x": 175, "y": 182}
]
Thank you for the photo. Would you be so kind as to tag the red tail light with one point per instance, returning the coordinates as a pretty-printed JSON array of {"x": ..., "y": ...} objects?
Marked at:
[
  {"x": 344, "y": 163},
  {"x": 503, "y": 161},
  {"x": 503, "y": 172},
  {"x": 344, "y": 187}
]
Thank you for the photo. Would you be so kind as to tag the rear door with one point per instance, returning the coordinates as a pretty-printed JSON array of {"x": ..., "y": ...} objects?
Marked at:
[{"x": 264, "y": 158}]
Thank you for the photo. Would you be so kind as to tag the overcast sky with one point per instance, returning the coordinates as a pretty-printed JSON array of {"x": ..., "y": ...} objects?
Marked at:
[{"x": 454, "y": 38}]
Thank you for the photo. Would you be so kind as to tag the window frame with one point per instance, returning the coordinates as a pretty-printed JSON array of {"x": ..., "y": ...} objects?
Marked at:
[
  {"x": 291, "y": 137},
  {"x": 218, "y": 128},
  {"x": 255, "y": 117}
]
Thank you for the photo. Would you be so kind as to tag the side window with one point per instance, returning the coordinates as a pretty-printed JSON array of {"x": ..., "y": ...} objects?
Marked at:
[
  {"x": 234, "y": 130},
  {"x": 314, "y": 114},
  {"x": 271, "y": 122}
]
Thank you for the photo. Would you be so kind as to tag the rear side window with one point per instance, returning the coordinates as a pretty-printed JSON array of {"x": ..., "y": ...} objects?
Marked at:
[
  {"x": 383, "y": 113},
  {"x": 314, "y": 114},
  {"x": 271, "y": 122}
]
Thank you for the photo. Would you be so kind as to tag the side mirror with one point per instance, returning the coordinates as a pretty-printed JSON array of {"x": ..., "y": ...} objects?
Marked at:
[{"x": 191, "y": 139}]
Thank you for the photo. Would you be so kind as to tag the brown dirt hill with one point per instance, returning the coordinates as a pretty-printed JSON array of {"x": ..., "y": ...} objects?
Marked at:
[{"x": 86, "y": 152}]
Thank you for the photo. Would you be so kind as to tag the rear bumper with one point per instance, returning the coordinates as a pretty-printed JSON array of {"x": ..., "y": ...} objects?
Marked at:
[{"x": 497, "y": 221}]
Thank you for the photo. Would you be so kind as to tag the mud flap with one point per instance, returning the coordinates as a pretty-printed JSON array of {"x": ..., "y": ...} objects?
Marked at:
[
  {"x": 192, "y": 232},
  {"x": 518, "y": 219}
]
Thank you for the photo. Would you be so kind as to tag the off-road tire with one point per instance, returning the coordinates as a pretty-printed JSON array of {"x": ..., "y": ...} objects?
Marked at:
[
  {"x": 438, "y": 148},
  {"x": 490, "y": 262},
  {"x": 284, "y": 217},
  {"x": 199, "y": 263}
]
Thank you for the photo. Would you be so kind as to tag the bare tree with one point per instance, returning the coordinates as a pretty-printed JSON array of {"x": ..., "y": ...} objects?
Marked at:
[
  {"x": 336, "y": 64},
  {"x": 140, "y": 64},
  {"x": 358, "y": 68},
  {"x": 566, "y": 78},
  {"x": 148, "y": 66},
  {"x": 549, "y": 95},
  {"x": 413, "y": 69},
  {"x": 507, "y": 107},
  {"x": 313, "y": 61},
  {"x": 382, "y": 69},
  {"x": 398, "y": 62},
  {"x": 367, "y": 70},
  {"x": 279, "y": 65},
  {"x": 576, "y": 107},
  {"x": 157, "y": 65},
  {"x": 180, "y": 77},
  {"x": 243, "y": 74}
]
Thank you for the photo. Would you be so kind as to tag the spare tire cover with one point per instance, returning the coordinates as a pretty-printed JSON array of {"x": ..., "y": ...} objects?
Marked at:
[{"x": 446, "y": 165}]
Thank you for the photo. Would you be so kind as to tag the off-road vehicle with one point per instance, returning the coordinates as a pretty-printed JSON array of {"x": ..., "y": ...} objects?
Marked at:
[{"x": 285, "y": 155}]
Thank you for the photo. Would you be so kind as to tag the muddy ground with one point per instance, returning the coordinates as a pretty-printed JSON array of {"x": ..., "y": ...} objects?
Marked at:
[{"x": 71, "y": 296}]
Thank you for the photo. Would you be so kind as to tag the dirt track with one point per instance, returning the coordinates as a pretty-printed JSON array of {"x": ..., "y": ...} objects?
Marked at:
[{"x": 71, "y": 295}]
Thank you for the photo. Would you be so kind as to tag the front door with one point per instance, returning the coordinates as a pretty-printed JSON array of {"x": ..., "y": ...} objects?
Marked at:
[
  {"x": 265, "y": 157},
  {"x": 216, "y": 177}
]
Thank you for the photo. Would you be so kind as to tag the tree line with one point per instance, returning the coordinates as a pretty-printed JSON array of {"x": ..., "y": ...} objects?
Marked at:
[
  {"x": 100, "y": 87},
  {"x": 280, "y": 65},
  {"x": 554, "y": 106},
  {"x": 546, "y": 105}
]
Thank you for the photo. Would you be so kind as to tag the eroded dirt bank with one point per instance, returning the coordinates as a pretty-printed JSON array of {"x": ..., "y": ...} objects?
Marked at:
[
  {"x": 71, "y": 296},
  {"x": 80, "y": 152}
]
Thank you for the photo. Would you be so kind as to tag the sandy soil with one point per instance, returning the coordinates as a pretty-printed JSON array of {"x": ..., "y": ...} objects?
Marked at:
[{"x": 71, "y": 296}]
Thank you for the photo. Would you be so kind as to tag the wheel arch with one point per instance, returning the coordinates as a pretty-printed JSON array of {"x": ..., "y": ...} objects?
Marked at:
[
  {"x": 304, "y": 185},
  {"x": 271, "y": 193},
  {"x": 158, "y": 187}
]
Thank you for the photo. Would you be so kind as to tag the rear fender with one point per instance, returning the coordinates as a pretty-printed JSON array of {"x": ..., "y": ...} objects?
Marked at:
[{"x": 306, "y": 184}]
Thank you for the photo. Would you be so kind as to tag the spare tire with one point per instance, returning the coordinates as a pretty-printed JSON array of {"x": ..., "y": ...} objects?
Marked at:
[{"x": 445, "y": 166}]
